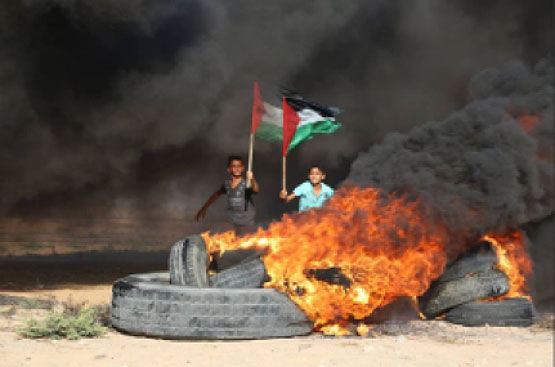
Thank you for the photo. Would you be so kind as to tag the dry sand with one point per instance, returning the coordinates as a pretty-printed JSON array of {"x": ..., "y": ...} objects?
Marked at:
[
  {"x": 493, "y": 349},
  {"x": 418, "y": 343}
]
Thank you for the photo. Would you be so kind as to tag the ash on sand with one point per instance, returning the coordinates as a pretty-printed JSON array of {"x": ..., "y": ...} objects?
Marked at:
[
  {"x": 443, "y": 331},
  {"x": 400, "y": 320},
  {"x": 447, "y": 332}
]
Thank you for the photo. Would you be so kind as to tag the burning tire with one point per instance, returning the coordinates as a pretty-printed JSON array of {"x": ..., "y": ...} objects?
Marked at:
[
  {"x": 480, "y": 285},
  {"x": 248, "y": 274},
  {"x": 508, "y": 312},
  {"x": 232, "y": 258},
  {"x": 479, "y": 258},
  {"x": 188, "y": 262},
  {"x": 146, "y": 304}
]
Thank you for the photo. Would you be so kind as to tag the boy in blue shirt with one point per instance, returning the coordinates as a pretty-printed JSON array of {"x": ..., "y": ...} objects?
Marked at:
[{"x": 312, "y": 193}]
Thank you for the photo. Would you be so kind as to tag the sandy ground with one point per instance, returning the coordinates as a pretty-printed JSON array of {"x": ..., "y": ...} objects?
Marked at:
[
  {"x": 496, "y": 348},
  {"x": 418, "y": 343}
]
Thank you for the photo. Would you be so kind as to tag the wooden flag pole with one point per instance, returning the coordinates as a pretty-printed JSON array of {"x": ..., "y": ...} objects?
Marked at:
[
  {"x": 283, "y": 173},
  {"x": 249, "y": 165}
]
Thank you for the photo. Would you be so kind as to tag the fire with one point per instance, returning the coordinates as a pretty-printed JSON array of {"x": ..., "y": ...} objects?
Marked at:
[
  {"x": 360, "y": 252},
  {"x": 335, "y": 329},
  {"x": 372, "y": 248},
  {"x": 414, "y": 303},
  {"x": 363, "y": 329},
  {"x": 514, "y": 261},
  {"x": 528, "y": 122}
]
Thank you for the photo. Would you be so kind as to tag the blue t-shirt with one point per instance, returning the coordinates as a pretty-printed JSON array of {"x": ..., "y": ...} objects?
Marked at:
[{"x": 307, "y": 199}]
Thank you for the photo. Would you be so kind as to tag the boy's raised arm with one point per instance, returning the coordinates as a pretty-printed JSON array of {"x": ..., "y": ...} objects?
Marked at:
[{"x": 202, "y": 212}]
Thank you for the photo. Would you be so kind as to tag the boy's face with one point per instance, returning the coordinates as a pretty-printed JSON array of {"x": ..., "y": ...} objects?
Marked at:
[
  {"x": 236, "y": 168},
  {"x": 315, "y": 176}
]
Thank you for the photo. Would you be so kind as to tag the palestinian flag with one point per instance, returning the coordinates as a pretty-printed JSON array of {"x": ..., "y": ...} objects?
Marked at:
[{"x": 302, "y": 119}]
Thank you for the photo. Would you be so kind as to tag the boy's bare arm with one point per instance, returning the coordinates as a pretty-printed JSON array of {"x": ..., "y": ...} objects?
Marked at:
[
  {"x": 287, "y": 198},
  {"x": 202, "y": 212}
]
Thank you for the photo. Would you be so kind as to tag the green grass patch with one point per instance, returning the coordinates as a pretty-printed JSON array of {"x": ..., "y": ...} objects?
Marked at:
[{"x": 84, "y": 322}]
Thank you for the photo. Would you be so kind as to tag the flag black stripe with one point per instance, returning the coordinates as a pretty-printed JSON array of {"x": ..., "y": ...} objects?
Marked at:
[{"x": 298, "y": 103}]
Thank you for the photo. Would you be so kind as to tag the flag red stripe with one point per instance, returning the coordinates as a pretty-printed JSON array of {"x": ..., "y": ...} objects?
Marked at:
[
  {"x": 257, "y": 108},
  {"x": 290, "y": 122}
]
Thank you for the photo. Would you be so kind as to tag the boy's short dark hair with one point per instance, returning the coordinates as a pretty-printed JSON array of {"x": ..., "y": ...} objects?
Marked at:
[
  {"x": 232, "y": 158},
  {"x": 316, "y": 166}
]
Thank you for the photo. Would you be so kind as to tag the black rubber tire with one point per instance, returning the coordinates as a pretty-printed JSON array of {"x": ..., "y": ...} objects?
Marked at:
[
  {"x": 232, "y": 258},
  {"x": 248, "y": 274},
  {"x": 146, "y": 304},
  {"x": 507, "y": 312},
  {"x": 188, "y": 262},
  {"x": 479, "y": 258},
  {"x": 477, "y": 286}
]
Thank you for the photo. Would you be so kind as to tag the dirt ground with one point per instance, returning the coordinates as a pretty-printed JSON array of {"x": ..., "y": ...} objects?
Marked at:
[
  {"x": 414, "y": 343},
  {"x": 493, "y": 348}
]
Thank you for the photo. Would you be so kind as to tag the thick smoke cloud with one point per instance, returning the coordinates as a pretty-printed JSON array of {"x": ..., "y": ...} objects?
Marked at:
[
  {"x": 141, "y": 101},
  {"x": 482, "y": 168},
  {"x": 90, "y": 88}
]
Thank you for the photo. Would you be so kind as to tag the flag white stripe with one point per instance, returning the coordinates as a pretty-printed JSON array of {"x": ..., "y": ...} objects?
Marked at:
[{"x": 274, "y": 115}]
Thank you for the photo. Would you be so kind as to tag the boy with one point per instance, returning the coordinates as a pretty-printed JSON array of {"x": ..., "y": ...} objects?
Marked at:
[
  {"x": 312, "y": 193},
  {"x": 240, "y": 207}
]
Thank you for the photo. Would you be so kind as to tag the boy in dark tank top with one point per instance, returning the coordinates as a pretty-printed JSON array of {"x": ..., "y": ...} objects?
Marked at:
[{"x": 240, "y": 207}]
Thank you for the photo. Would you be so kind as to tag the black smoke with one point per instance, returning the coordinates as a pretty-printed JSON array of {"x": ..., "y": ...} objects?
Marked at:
[
  {"x": 139, "y": 102},
  {"x": 478, "y": 169}
]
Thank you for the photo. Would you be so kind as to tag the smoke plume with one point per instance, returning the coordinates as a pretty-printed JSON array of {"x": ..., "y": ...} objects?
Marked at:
[
  {"x": 486, "y": 167},
  {"x": 110, "y": 102}
]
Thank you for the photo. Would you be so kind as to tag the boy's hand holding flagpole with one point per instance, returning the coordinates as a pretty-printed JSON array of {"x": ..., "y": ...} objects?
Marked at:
[{"x": 257, "y": 112}]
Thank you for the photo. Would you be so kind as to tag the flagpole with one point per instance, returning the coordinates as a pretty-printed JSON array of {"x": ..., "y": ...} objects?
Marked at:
[
  {"x": 249, "y": 166},
  {"x": 283, "y": 173},
  {"x": 257, "y": 112}
]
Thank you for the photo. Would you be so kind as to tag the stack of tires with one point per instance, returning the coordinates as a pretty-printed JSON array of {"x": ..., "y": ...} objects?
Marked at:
[
  {"x": 461, "y": 294},
  {"x": 187, "y": 303}
]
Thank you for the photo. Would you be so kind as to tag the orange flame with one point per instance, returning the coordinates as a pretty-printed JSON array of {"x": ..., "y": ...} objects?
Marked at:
[
  {"x": 334, "y": 329},
  {"x": 514, "y": 261},
  {"x": 363, "y": 329},
  {"x": 414, "y": 303},
  {"x": 382, "y": 246},
  {"x": 528, "y": 122}
]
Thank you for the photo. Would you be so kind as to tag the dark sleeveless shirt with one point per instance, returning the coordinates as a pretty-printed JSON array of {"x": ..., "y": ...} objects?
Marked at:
[{"x": 240, "y": 207}]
